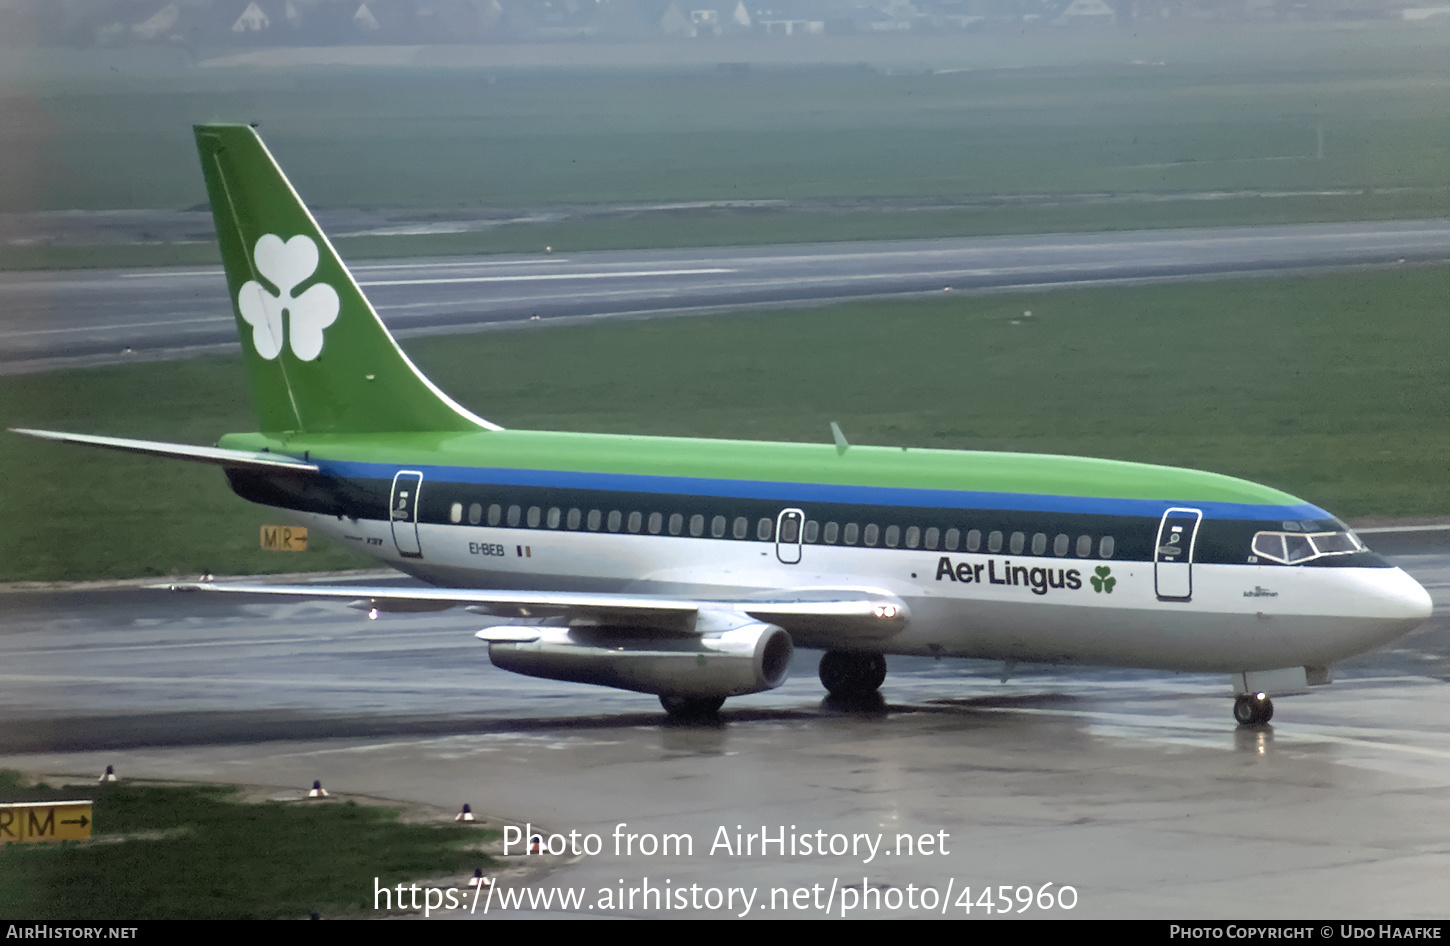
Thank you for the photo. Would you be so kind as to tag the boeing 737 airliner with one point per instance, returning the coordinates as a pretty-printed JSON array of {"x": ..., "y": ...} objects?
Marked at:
[{"x": 690, "y": 569}]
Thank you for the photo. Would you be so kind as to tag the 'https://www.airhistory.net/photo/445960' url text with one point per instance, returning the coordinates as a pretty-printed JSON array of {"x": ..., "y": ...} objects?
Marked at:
[{"x": 827, "y": 896}]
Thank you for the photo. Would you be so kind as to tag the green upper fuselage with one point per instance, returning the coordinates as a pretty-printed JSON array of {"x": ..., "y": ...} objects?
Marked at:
[{"x": 670, "y": 464}]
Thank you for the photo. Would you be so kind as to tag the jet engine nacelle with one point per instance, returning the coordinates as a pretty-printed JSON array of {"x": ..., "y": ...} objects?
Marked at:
[{"x": 746, "y": 659}]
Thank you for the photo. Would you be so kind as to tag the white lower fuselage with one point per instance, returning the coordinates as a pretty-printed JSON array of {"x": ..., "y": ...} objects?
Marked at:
[{"x": 1237, "y": 618}]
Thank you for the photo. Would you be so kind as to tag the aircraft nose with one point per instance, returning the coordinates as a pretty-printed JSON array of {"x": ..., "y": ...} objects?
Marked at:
[{"x": 1404, "y": 600}]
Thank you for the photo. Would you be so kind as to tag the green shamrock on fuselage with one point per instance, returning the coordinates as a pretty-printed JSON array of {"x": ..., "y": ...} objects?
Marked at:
[{"x": 1103, "y": 580}]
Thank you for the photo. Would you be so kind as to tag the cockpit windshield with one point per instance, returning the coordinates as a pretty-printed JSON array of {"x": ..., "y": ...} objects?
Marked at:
[{"x": 1297, "y": 545}]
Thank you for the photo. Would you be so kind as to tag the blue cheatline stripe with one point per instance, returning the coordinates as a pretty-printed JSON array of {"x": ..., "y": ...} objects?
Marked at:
[{"x": 819, "y": 492}]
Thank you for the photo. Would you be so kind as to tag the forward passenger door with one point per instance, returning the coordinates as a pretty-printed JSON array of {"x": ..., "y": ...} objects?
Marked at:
[{"x": 1173, "y": 554}]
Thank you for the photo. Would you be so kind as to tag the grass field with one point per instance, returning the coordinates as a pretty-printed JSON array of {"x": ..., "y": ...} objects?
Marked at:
[
  {"x": 195, "y": 852},
  {"x": 1199, "y": 142},
  {"x": 1330, "y": 387}
]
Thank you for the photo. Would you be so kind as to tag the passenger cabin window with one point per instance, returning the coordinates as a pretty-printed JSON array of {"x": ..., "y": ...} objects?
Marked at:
[
  {"x": 534, "y": 513},
  {"x": 677, "y": 522},
  {"x": 994, "y": 542},
  {"x": 573, "y": 520},
  {"x": 1018, "y": 540},
  {"x": 697, "y": 526},
  {"x": 636, "y": 521},
  {"x": 830, "y": 533},
  {"x": 1060, "y": 544},
  {"x": 1085, "y": 546},
  {"x": 974, "y": 540},
  {"x": 953, "y": 537},
  {"x": 913, "y": 537},
  {"x": 1106, "y": 547},
  {"x": 1039, "y": 544},
  {"x": 717, "y": 527},
  {"x": 813, "y": 531},
  {"x": 616, "y": 519},
  {"x": 850, "y": 534},
  {"x": 516, "y": 513},
  {"x": 455, "y": 512},
  {"x": 595, "y": 519},
  {"x": 742, "y": 527},
  {"x": 871, "y": 534},
  {"x": 495, "y": 514},
  {"x": 475, "y": 514},
  {"x": 764, "y": 529},
  {"x": 554, "y": 515},
  {"x": 932, "y": 537}
]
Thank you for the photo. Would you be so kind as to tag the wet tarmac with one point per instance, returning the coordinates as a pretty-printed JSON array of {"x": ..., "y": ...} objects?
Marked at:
[{"x": 1134, "y": 788}]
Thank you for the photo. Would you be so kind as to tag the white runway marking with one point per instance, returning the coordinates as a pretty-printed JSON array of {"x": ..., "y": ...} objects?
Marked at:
[
  {"x": 546, "y": 276},
  {"x": 92, "y": 328}
]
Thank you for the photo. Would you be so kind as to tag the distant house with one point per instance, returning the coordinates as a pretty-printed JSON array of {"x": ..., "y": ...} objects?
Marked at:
[
  {"x": 1085, "y": 10},
  {"x": 163, "y": 21},
  {"x": 363, "y": 19},
  {"x": 252, "y": 20},
  {"x": 793, "y": 27}
]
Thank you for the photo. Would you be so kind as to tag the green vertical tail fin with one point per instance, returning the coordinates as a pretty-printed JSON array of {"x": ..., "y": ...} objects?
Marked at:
[{"x": 319, "y": 358}]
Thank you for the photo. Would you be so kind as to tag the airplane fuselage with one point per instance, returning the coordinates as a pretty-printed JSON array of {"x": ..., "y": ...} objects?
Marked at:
[{"x": 1101, "y": 562}]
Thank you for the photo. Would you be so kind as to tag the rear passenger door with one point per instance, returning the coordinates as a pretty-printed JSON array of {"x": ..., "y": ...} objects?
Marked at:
[{"x": 407, "y": 486}]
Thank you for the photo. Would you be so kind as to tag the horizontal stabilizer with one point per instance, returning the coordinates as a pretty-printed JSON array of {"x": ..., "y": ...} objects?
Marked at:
[{"x": 231, "y": 459}]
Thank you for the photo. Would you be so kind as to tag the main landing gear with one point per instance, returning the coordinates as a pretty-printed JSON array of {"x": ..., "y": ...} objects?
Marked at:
[
  {"x": 848, "y": 674},
  {"x": 1253, "y": 709},
  {"x": 692, "y": 707}
]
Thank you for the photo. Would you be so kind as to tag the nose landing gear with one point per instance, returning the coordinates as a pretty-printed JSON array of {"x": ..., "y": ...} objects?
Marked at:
[{"x": 1253, "y": 709}]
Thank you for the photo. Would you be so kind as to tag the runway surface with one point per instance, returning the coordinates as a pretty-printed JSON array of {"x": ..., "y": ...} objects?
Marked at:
[
  {"x": 96, "y": 316},
  {"x": 1134, "y": 788}
]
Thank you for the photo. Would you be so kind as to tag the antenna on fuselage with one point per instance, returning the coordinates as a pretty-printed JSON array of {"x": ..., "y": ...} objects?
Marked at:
[{"x": 841, "y": 445}]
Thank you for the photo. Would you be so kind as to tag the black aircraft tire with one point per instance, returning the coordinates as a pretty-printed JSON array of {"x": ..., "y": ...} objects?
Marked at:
[
  {"x": 1253, "y": 712},
  {"x": 851, "y": 674},
  {"x": 1244, "y": 711},
  {"x": 692, "y": 707}
]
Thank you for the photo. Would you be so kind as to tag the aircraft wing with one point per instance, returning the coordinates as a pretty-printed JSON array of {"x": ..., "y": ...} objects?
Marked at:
[
  {"x": 232, "y": 459},
  {"x": 844, "y": 614}
]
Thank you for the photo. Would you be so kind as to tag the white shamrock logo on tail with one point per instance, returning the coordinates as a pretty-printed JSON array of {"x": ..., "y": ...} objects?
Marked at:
[{"x": 287, "y": 265}]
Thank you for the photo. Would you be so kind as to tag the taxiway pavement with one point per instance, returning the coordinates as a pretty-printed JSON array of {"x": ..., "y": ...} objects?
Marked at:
[{"x": 1134, "y": 788}]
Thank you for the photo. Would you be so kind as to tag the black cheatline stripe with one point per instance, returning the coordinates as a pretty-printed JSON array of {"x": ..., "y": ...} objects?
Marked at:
[{"x": 1219, "y": 541}]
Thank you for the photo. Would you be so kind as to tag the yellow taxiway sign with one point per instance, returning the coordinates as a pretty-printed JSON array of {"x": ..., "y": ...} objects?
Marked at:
[
  {"x": 284, "y": 538},
  {"x": 31, "y": 821}
]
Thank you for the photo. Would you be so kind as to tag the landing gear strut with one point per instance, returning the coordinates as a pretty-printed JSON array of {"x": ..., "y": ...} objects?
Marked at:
[
  {"x": 847, "y": 674},
  {"x": 692, "y": 707},
  {"x": 1253, "y": 710}
]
